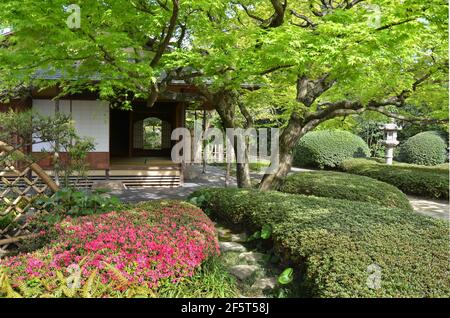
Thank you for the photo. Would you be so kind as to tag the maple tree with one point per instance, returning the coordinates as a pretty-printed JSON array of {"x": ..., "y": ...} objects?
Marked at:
[{"x": 301, "y": 63}]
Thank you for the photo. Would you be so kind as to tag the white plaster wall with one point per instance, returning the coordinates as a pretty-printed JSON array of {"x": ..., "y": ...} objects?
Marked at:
[{"x": 91, "y": 119}]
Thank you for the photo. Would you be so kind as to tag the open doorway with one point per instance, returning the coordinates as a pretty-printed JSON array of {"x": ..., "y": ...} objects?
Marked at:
[{"x": 142, "y": 137}]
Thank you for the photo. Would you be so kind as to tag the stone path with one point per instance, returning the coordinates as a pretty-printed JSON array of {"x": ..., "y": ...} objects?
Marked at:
[
  {"x": 434, "y": 208},
  {"x": 194, "y": 180},
  {"x": 252, "y": 269}
]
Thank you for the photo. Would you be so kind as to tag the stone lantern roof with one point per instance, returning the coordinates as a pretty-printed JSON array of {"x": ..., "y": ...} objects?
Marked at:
[{"x": 392, "y": 126}]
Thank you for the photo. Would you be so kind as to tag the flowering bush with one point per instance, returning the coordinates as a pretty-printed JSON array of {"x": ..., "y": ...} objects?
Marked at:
[{"x": 115, "y": 254}]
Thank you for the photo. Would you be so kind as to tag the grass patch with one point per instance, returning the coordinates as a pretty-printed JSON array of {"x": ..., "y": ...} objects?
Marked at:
[
  {"x": 254, "y": 166},
  {"x": 210, "y": 281}
]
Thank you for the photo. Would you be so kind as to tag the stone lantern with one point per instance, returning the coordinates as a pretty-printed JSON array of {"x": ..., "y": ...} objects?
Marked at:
[{"x": 390, "y": 139}]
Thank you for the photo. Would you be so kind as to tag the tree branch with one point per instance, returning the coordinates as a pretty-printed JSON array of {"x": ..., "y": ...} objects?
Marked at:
[
  {"x": 163, "y": 5},
  {"x": 246, "y": 114},
  {"x": 327, "y": 6},
  {"x": 420, "y": 120},
  {"x": 347, "y": 107},
  {"x": 309, "y": 90},
  {"x": 143, "y": 7},
  {"x": 277, "y": 18},
  {"x": 399, "y": 100},
  {"x": 275, "y": 68},
  {"x": 352, "y": 3},
  {"x": 390, "y": 25},
  {"x": 251, "y": 15},
  {"x": 183, "y": 31},
  {"x": 308, "y": 22},
  {"x": 111, "y": 60},
  {"x": 166, "y": 40}
]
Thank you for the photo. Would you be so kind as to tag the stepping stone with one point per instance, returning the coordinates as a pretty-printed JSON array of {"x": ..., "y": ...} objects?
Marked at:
[
  {"x": 231, "y": 247},
  {"x": 223, "y": 234},
  {"x": 240, "y": 238},
  {"x": 251, "y": 257},
  {"x": 265, "y": 283},
  {"x": 226, "y": 235},
  {"x": 243, "y": 272}
]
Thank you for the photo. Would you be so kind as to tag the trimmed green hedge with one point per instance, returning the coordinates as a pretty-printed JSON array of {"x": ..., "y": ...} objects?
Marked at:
[
  {"x": 426, "y": 148},
  {"x": 328, "y": 148},
  {"x": 422, "y": 181},
  {"x": 335, "y": 243},
  {"x": 346, "y": 186}
]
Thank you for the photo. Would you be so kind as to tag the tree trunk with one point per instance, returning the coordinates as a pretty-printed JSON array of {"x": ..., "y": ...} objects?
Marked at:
[
  {"x": 243, "y": 175},
  {"x": 204, "y": 143},
  {"x": 288, "y": 139},
  {"x": 308, "y": 90},
  {"x": 274, "y": 180},
  {"x": 224, "y": 105},
  {"x": 242, "y": 168}
]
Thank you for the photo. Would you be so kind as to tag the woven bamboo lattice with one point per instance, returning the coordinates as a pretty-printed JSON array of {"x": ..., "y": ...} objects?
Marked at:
[{"x": 21, "y": 183}]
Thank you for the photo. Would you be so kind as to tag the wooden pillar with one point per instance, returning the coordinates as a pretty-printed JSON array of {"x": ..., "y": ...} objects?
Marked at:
[
  {"x": 204, "y": 141},
  {"x": 130, "y": 134},
  {"x": 56, "y": 157},
  {"x": 183, "y": 115},
  {"x": 180, "y": 116}
]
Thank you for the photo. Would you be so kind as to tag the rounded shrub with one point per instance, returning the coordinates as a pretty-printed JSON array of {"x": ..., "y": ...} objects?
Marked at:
[
  {"x": 426, "y": 148},
  {"x": 346, "y": 186},
  {"x": 329, "y": 148}
]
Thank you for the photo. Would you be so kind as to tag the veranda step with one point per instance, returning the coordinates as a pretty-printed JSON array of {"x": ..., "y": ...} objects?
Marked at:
[
  {"x": 154, "y": 186},
  {"x": 149, "y": 180},
  {"x": 163, "y": 180},
  {"x": 150, "y": 183},
  {"x": 135, "y": 184},
  {"x": 146, "y": 178}
]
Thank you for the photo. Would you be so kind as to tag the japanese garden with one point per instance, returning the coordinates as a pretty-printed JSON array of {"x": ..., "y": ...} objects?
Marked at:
[{"x": 224, "y": 149}]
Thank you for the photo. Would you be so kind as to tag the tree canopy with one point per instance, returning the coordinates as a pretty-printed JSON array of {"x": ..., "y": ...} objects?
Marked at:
[
  {"x": 299, "y": 63},
  {"x": 367, "y": 49}
]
